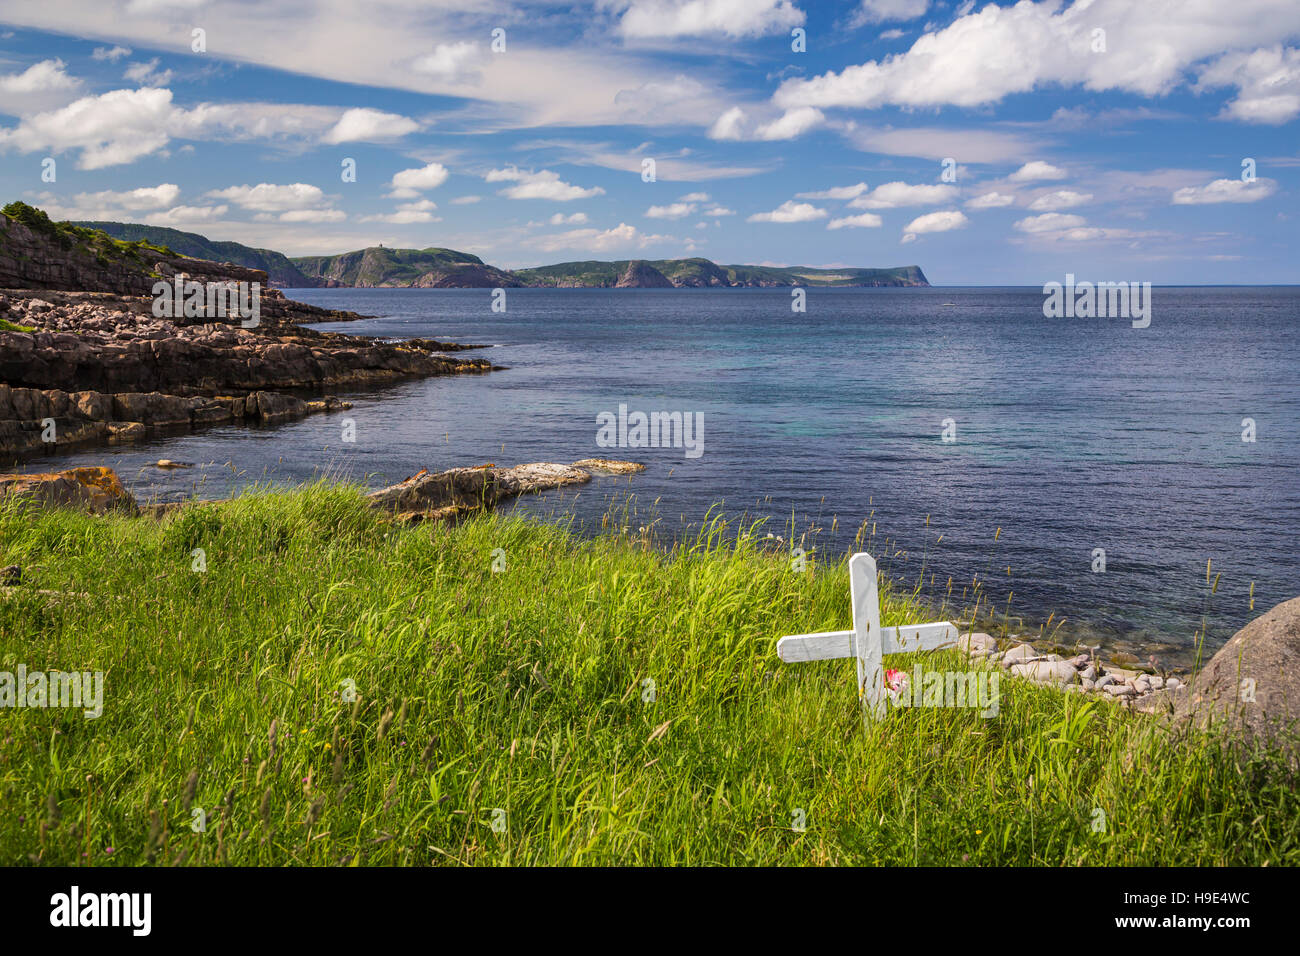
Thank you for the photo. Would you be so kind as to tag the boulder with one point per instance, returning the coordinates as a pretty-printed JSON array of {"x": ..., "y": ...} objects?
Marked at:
[
  {"x": 458, "y": 490},
  {"x": 1046, "y": 672},
  {"x": 1252, "y": 685},
  {"x": 96, "y": 490}
]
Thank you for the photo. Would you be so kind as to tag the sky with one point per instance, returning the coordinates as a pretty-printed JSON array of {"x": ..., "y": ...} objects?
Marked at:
[{"x": 990, "y": 144}]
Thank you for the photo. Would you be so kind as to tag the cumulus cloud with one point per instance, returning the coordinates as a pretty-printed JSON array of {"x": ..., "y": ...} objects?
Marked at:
[
  {"x": 944, "y": 221},
  {"x": 1049, "y": 222},
  {"x": 990, "y": 200},
  {"x": 1225, "y": 190},
  {"x": 621, "y": 236},
  {"x": 408, "y": 212},
  {"x": 291, "y": 202},
  {"x": 111, "y": 54},
  {"x": 560, "y": 219},
  {"x": 836, "y": 192},
  {"x": 790, "y": 211},
  {"x": 985, "y": 55},
  {"x": 735, "y": 124},
  {"x": 1036, "y": 171},
  {"x": 39, "y": 78},
  {"x": 147, "y": 74},
  {"x": 865, "y": 220},
  {"x": 1060, "y": 199},
  {"x": 677, "y": 210},
  {"x": 409, "y": 183},
  {"x": 895, "y": 194},
  {"x": 542, "y": 184},
  {"x": 1267, "y": 81},
  {"x": 109, "y": 129},
  {"x": 448, "y": 61},
  {"x": 734, "y": 18},
  {"x": 717, "y": 210},
  {"x": 370, "y": 126}
]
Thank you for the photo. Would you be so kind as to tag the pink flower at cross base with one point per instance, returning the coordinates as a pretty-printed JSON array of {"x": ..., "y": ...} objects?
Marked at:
[{"x": 895, "y": 682}]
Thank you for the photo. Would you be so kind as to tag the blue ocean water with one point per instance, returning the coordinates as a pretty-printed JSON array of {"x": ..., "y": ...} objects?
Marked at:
[{"x": 1071, "y": 434}]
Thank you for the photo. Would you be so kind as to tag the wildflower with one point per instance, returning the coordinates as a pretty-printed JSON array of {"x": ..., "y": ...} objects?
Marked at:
[{"x": 895, "y": 682}]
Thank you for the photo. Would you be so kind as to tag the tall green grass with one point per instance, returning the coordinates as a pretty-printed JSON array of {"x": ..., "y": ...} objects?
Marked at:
[{"x": 528, "y": 691}]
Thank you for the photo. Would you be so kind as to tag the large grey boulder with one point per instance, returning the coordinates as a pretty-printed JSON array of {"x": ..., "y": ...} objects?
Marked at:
[{"x": 1252, "y": 685}]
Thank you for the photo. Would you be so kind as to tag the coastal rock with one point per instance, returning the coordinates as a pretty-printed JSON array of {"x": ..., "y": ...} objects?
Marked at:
[
  {"x": 1252, "y": 685},
  {"x": 639, "y": 274},
  {"x": 1046, "y": 672},
  {"x": 96, "y": 490},
  {"x": 1020, "y": 654},
  {"x": 460, "y": 490},
  {"x": 978, "y": 644},
  {"x": 608, "y": 466}
]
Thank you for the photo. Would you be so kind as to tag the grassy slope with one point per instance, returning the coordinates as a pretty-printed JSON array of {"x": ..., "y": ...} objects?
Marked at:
[
  {"x": 378, "y": 266},
  {"x": 274, "y": 264},
  {"x": 523, "y": 690}
]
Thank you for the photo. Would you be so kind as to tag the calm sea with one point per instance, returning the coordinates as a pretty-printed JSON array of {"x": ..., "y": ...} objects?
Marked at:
[{"x": 1071, "y": 434}]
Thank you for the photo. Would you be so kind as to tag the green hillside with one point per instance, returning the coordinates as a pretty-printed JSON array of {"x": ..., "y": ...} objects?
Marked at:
[
  {"x": 698, "y": 273},
  {"x": 277, "y": 266},
  {"x": 382, "y": 267}
]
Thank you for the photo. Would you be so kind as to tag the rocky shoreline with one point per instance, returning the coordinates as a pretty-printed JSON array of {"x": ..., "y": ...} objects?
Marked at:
[{"x": 80, "y": 368}]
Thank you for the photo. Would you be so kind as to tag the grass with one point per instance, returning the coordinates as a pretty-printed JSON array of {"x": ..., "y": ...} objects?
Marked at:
[{"x": 526, "y": 691}]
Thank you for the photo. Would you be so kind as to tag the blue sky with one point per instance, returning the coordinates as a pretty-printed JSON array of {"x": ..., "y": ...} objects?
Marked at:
[{"x": 1143, "y": 140}]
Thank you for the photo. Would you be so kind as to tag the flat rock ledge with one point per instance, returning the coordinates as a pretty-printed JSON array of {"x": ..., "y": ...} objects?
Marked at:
[
  {"x": 459, "y": 491},
  {"x": 106, "y": 370}
]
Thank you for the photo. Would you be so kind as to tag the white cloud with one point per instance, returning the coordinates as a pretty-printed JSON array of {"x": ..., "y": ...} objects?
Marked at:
[
  {"x": 312, "y": 215},
  {"x": 448, "y": 61},
  {"x": 791, "y": 124},
  {"x": 677, "y": 210},
  {"x": 895, "y": 194},
  {"x": 39, "y": 78},
  {"x": 879, "y": 11},
  {"x": 730, "y": 125},
  {"x": 1060, "y": 199},
  {"x": 1225, "y": 190},
  {"x": 716, "y": 211},
  {"x": 621, "y": 236},
  {"x": 109, "y": 129},
  {"x": 733, "y": 18},
  {"x": 990, "y": 200},
  {"x": 1049, "y": 222},
  {"x": 408, "y": 212},
  {"x": 695, "y": 197},
  {"x": 1035, "y": 171},
  {"x": 790, "y": 211},
  {"x": 542, "y": 184},
  {"x": 111, "y": 54},
  {"x": 1267, "y": 81},
  {"x": 865, "y": 220},
  {"x": 147, "y": 74},
  {"x": 370, "y": 126},
  {"x": 944, "y": 221},
  {"x": 986, "y": 55},
  {"x": 409, "y": 183},
  {"x": 270, "y": 198},
  {"x": 836, "y": 192},
  {"x": 735, "y": 124},
  {"x": 560, "y": 219},
  {"x": 187, "y": 217}
]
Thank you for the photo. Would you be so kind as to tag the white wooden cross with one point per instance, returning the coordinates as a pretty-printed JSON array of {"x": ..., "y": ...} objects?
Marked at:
[{"x": 868, "y": 641}]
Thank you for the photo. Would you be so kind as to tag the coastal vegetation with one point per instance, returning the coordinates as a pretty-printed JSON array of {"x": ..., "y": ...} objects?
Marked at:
[{"x": 330, "y": 687}]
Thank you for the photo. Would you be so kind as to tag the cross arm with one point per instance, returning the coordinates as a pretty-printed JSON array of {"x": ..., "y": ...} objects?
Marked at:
[{"x": 830, "y": 645}]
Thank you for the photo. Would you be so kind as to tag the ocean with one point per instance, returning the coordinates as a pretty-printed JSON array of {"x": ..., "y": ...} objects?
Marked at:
[{"x": 1069, "y": 435}]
